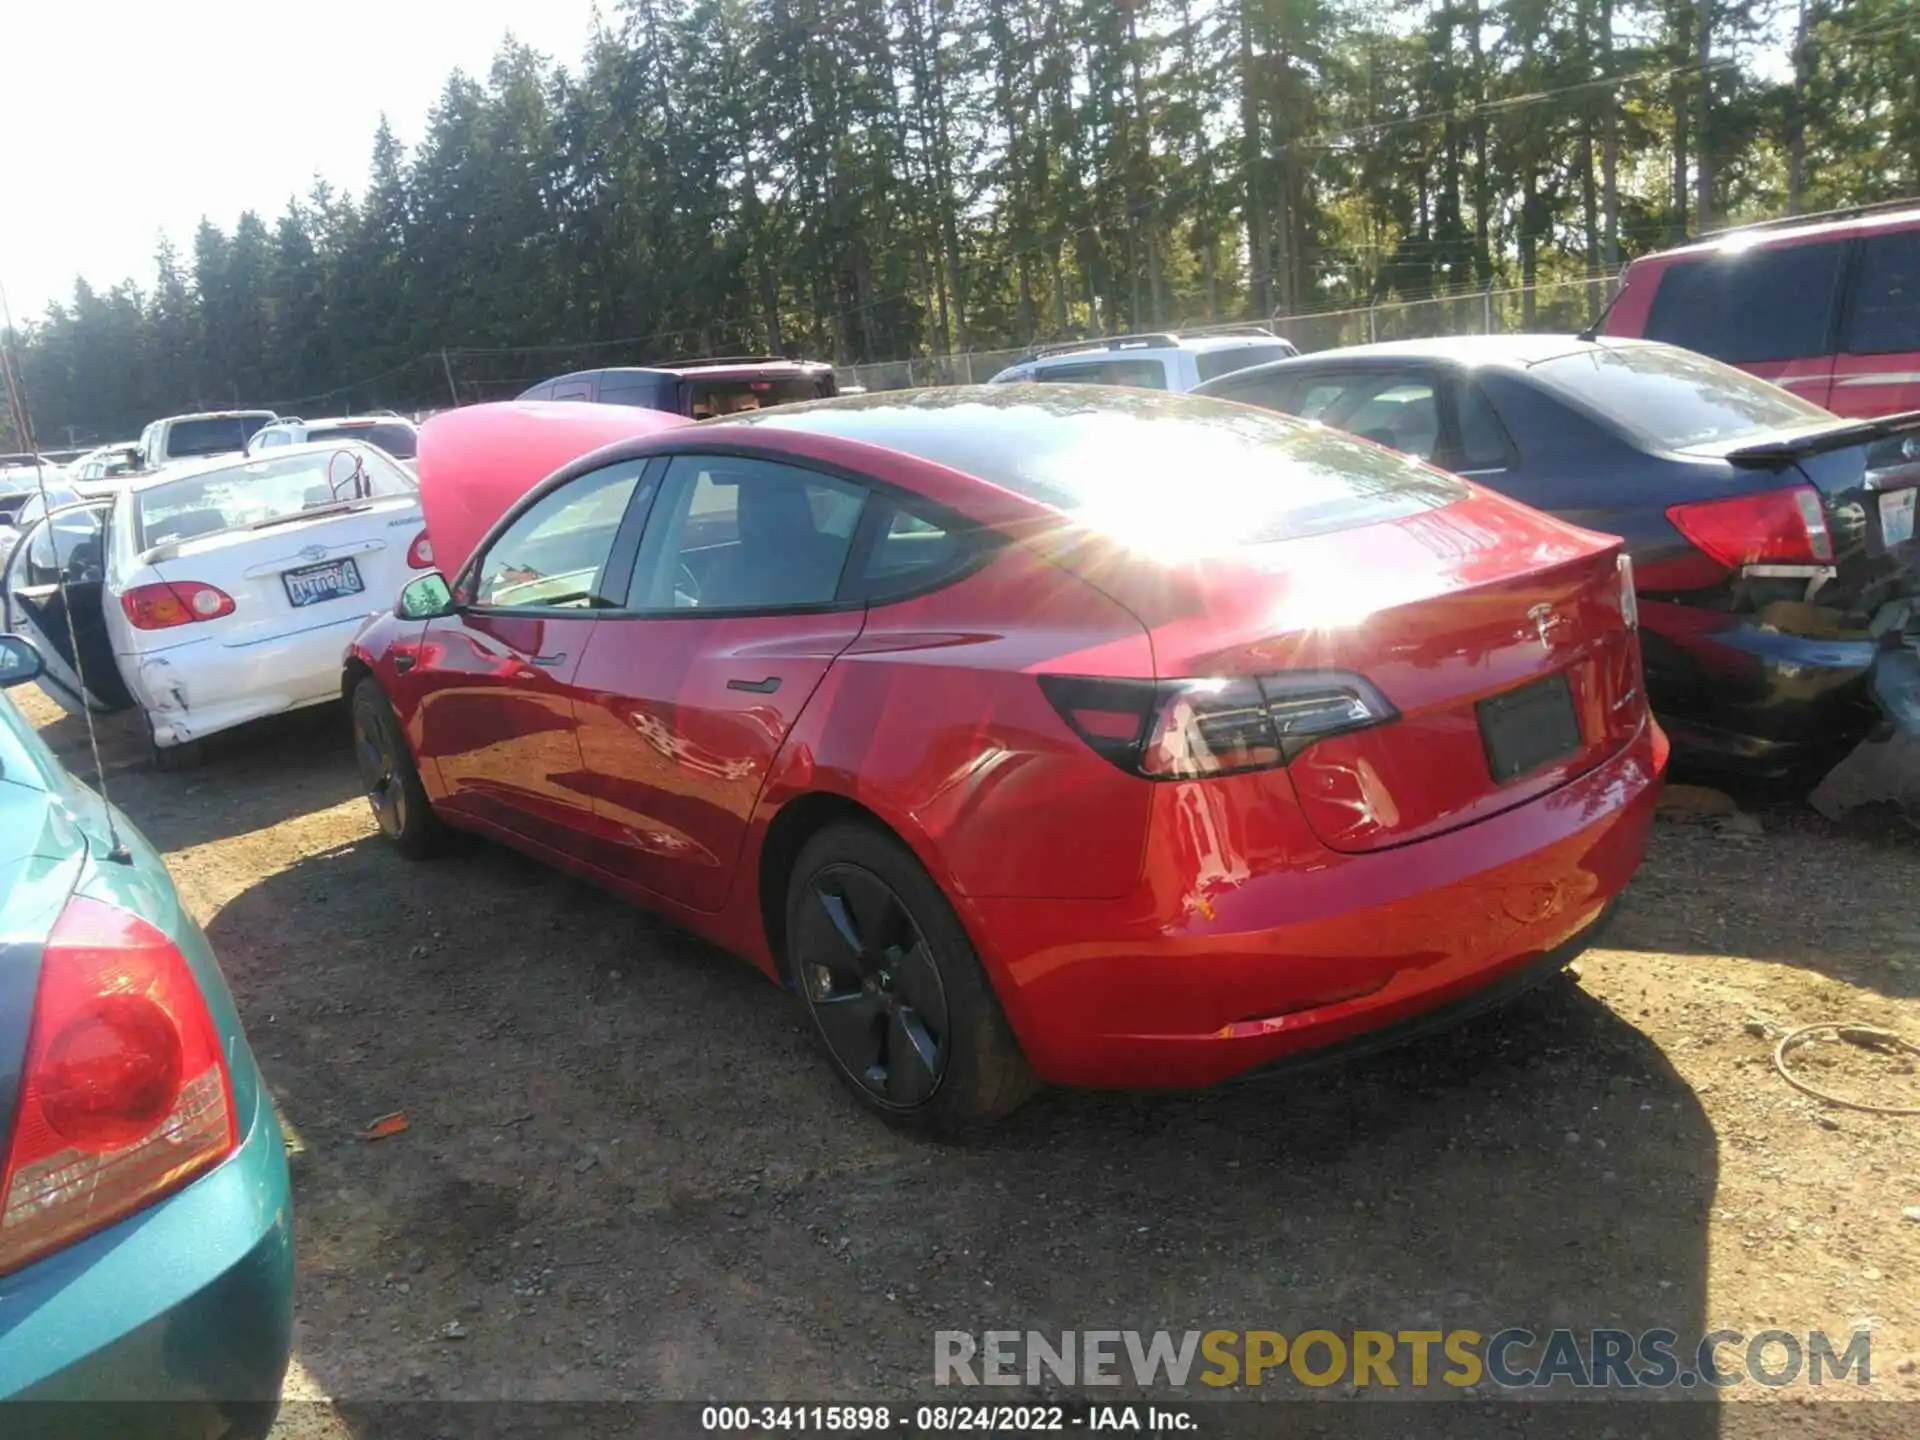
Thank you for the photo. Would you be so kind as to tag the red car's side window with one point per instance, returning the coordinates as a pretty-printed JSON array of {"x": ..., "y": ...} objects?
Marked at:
[
  {"x": 1713, "y": 305},
  {"x": 555, "y": 555},
  {"x": 1883, "y": 315},
  {"x": 740, "y": 534}
]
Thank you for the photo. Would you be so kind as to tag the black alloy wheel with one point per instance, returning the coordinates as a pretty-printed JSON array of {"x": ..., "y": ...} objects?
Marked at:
[
  {"x": 390, "y": 778},
  {"x": 373, "y": 750},
  {"x": 871, "y": 980}
]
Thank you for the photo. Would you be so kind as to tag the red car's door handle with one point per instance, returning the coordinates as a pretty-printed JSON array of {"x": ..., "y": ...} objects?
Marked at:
[
  {"x": 403, "y": 662},
  {"x": 757, "y": 687},
  {"x": 550, "y": 659}
]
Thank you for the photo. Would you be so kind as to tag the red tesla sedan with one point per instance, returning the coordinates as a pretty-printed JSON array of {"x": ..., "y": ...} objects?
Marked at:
[{"x": 1032, "y": 733}]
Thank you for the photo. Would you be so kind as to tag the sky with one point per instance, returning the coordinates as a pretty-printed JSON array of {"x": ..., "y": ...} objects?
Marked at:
[{"x": 128, "y": 118}]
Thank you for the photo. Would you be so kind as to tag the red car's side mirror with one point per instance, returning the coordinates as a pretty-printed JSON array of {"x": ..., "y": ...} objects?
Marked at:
[{"x": 427, "y": 598}]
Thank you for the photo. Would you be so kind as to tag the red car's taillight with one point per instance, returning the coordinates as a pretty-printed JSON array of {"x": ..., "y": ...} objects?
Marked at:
[
  {"x": 125, "y": 1093},
  {"x": 1187, "y": 729},
  {"x": 420, "y": 552},
  {"x": 1773, "y": 527},
  {"x": 178, "y": 602}
]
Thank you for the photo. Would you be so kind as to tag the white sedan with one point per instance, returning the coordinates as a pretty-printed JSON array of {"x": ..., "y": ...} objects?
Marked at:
[
  {"x": 98, "y": 474},
  {"x": 25, "y": 499},
  {"x": 219, "y": 591}
]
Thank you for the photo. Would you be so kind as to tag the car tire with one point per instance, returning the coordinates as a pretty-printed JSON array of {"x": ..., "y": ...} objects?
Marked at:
[
  {"x": 175, "y": 759},
  {"x": 898, "y": 998},
  {"x": 391, "y": 779}
]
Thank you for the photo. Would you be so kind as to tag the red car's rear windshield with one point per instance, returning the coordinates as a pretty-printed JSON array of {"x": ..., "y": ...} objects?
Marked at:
[{"x": 1133, "y": 462}]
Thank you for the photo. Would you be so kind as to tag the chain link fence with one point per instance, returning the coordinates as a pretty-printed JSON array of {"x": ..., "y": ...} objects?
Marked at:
[
  {"x": 1560, "y": 305},
  {"x": 456, "y": 376}
]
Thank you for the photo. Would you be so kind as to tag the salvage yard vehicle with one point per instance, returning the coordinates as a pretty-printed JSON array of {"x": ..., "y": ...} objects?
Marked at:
[
  {"x": 1157, "y": 361},
  {"x": 1825, "y": 305},
  {"x": 199, "y": 436},
  {"x": 215, "y": 593},
  {"x": 25, "y": 498},
  {"x": 394, "y": 434},
  {"x": 1017, "y": 765},
  {"x": 31, "y": 463},
  {"x": 699, "y": 389},
  {"x": 59, "y": 564},
  {"x": 1772, "y": 542},
  {"x": 100, "y": 472},
  {"x": 146, "y": 1228},
  {"x": 20, "y": 482}
]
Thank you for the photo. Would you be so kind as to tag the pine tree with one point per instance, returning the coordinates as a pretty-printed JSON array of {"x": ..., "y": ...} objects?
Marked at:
[{"x": 916, "y": 178}]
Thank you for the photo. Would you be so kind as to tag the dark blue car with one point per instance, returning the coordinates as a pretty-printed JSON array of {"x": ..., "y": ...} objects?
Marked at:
[{"x": 1772, "y": 541}]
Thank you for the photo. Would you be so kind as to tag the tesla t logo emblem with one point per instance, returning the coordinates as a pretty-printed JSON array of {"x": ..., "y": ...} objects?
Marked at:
[
  {"x": 314, "y": 552},
  {"x": 1545, "y": 622}
]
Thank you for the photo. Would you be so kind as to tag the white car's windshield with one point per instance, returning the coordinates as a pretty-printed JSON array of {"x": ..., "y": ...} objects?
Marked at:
[{"x": 262, "y": 491}]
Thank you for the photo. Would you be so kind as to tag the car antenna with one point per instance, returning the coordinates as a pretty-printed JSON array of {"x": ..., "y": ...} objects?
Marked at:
[
  {"x": 1592, "y": 332},
  {"x": 23, "y": 427}
]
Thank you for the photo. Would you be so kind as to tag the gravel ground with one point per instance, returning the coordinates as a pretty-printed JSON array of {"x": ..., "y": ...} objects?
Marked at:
[{"x": 626, "y": 1175}]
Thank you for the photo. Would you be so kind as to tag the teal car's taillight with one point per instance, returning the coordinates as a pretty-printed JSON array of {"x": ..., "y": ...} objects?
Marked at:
[{"x": 125, "y": 1095}]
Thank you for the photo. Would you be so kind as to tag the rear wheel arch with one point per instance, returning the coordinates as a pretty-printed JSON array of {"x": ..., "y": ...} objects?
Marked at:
[
  {"x": 804, "y": 815},
  {"x": 795, "y": 823}
]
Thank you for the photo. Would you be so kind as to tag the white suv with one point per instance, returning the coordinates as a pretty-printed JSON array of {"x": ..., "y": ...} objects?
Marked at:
[
  {"x": 1157, "y": 361},
  {"x": 395, "y": 434}
]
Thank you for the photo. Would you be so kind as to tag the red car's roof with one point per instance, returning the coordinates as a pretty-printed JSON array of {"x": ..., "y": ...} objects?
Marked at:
[
  {"x": 1776, "y": 233},
  {"x": 477, "y": 461},
  {"x": 1163, "y": 474}
]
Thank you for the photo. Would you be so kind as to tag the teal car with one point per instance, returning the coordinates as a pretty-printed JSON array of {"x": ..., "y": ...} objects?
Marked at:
[{"x": 146, "y": 1224}]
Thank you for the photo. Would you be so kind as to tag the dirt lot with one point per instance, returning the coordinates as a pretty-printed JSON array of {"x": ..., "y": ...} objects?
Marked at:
[{"x": 628, "y": 1176}]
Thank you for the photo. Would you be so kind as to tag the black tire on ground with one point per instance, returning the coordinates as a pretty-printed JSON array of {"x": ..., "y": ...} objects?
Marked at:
[
  {"x": 883, "y": 965},
  {"x": 391, "y": 779},
  {"x": 173, "y": 759}
]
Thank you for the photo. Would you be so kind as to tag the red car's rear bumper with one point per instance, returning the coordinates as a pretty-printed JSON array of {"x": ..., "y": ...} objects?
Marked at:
[{"x": 1245, "y": 947}]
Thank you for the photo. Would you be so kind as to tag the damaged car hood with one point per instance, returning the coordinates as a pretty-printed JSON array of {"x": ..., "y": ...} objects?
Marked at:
[{"x": 476, "y": 462}]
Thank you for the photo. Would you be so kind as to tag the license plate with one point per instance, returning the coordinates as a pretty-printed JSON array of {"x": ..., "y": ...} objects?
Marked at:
[
  {"x": 313, "y": 583},
  {"x": 1896, "y": 516},
  {"x": 1529, "y": 727}
]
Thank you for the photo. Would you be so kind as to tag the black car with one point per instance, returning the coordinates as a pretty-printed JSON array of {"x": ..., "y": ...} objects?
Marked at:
[
  {"x": 1772, "y": 541},
  {"x": 700, "y": 388}
]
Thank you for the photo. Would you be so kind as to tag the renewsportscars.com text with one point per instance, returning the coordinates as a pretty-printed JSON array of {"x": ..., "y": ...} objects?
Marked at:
[{"x": 1511, "y": 1359}]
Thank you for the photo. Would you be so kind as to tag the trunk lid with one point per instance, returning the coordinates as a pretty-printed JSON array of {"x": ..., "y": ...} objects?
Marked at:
[
  {"x": 301, "y": 573},
  {"x": 1499, "y": 636},
  {"x": 1867, "y": 476},
  {"x": 478, "y": 461}
]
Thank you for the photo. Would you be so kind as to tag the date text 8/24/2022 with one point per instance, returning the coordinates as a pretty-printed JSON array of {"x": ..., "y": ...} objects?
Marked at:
[{"x": 946, "y": 1418}]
